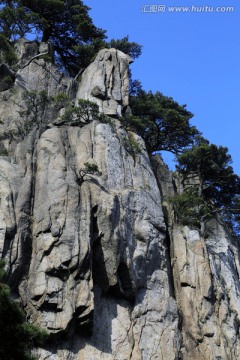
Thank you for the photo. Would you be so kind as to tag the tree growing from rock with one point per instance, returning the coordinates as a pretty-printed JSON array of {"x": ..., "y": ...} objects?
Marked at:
[
  {"x": 133, "y": 49},
  {"x": 17, "y": 337},
  {"x": 210, "y": 185},
  {"x": 83, "y": 114},
  {"x": 65, "y": 23},
  {"x": 160, "y": 121},
  {"x": 88, "y": 169},
  {"x": 32, "y": 113}
]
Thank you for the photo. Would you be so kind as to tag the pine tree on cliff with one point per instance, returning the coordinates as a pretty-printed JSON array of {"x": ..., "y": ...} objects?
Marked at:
[
  {"x": 160, "y": 121},
  {"x": 211, "y": 187},
  {"x": 66, "y": 23}
]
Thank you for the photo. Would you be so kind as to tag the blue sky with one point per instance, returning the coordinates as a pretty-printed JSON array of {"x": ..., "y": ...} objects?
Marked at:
[{"x": 193, "y": 57}]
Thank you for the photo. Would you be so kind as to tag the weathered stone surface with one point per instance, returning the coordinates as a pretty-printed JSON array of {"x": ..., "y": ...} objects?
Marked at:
[
  {"x": 106, "y": 82},
  {"x": 95, "y": 261},
  {"x": 32, "y": 75},
  {"x": 206, "y": 282},
  {"x": 97, "y": 252}
]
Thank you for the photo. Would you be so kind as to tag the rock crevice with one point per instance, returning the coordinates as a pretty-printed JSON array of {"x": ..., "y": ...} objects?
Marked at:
[{"x": 101, "y": 263}]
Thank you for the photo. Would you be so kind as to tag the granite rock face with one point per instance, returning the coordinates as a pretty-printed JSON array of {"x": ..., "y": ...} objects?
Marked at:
[
  {"x": 33, "y": 74},
  {"x": 106, "y": 82},
  {"x": 206, "y": 282},
  {"x": 98, "y": 261},
  {"x": 91, "y": 257}
]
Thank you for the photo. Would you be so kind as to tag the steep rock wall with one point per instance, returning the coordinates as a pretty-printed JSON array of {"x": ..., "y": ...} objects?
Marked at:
[
  {"x": 96, "y": 261},
  {"x": 91, "y": 256},
  {"x": 206, "y": 281}
]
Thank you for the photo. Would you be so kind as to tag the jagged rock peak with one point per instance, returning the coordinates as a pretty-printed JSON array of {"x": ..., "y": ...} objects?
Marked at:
[{"x": 106, "y": 82}]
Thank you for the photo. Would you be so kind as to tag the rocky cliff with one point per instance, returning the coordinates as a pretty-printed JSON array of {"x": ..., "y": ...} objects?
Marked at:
[{"x": 99, "y": 261}]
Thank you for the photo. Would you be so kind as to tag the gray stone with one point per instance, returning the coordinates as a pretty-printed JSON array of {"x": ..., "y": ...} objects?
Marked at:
[
  {"x": 106, "y": 82},
  {"x": 206, "y": 282},
  {"x": 100, "y": 262}
]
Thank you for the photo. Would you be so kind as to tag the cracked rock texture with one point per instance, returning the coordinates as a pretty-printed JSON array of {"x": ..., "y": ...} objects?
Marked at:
[
  {"x": 106, "y": 82},
  {"x": 206, "y": 282},
  {"x": 99, "y": 262}
]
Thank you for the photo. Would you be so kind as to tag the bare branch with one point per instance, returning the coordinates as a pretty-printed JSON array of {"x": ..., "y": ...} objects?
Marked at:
[{"x": 35, "y": 57}]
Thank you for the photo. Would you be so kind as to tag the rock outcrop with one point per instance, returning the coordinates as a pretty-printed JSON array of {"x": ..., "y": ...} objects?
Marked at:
[
  {"x": 206, "y": 282},
  {"x": 106, "y": 82},
  {"x": 99, "y": 262}
]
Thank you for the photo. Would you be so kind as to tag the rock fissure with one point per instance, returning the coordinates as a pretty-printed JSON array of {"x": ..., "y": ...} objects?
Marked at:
[{"x": 103, "y": 264}]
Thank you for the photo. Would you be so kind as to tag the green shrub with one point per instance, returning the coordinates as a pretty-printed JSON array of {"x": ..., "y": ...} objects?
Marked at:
[
  {"x": 3, "y": 152},
  {"x": 6, "y": 83},
  {"x": 89, "y": 169},
  {"x": 61, "y": 100},
  {"x": 84, "y": 113},
  {"x": 31, "y": 114},
  {"x": 105, "y": 119},
  {"x": 190, "y": 208},
  {"x": 132, "y": 146},
  {"x": 17, "y": 337},
  {"x": 7, "y": 52}
]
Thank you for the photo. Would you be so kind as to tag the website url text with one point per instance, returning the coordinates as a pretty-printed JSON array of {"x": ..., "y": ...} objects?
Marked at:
[{"x": 193, "y": 8}]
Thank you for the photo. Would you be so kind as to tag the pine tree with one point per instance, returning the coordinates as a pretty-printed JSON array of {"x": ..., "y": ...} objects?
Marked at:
[
  {"x": 211, "y": 184},
  {"x": 160, "y": 121},
  {"x": 66, "y": 24}
]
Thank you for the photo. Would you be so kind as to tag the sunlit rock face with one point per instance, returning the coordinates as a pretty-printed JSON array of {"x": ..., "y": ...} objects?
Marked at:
[
  {"x": 94, "y": 260},
  {"x": 106, "y": 82},
  {"x": 206, "y": 282},
  {"x": 89, "y": 258}
]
